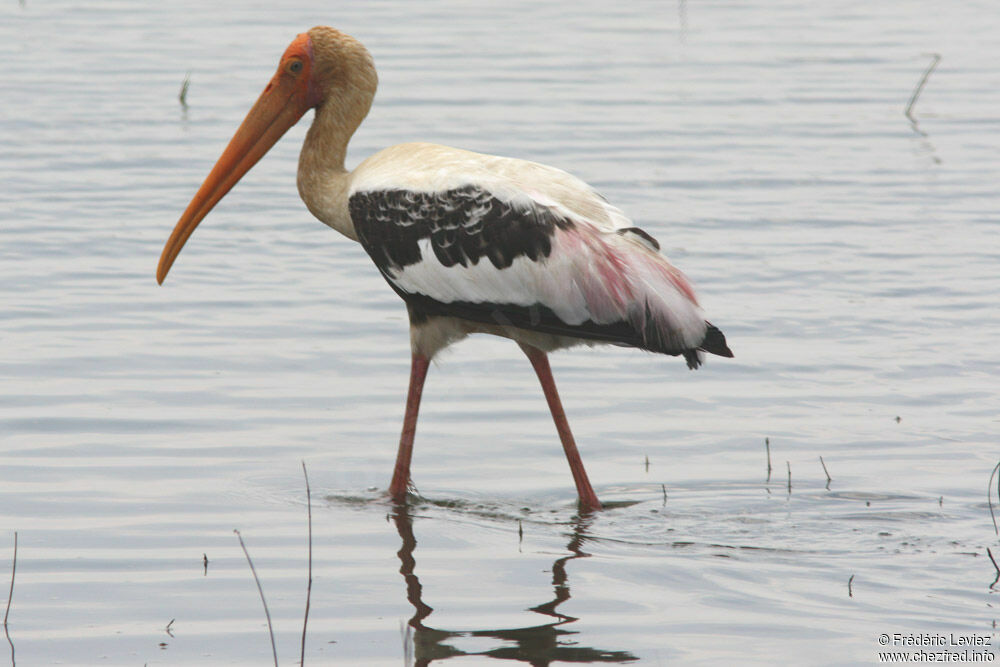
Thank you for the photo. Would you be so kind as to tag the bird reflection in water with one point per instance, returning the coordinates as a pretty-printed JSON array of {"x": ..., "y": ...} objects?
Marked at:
[{"x": 536, "y": 645}]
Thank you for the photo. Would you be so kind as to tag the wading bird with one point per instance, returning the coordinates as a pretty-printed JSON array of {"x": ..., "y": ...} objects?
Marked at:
[{"x": 472, "y": 243}]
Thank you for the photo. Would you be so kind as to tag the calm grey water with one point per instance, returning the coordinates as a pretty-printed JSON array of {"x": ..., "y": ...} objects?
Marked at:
[{"x": 850, "y": 256}]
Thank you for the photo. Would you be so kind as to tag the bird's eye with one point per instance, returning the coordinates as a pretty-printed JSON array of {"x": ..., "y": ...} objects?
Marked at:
[{"x": 295, "y": 66}]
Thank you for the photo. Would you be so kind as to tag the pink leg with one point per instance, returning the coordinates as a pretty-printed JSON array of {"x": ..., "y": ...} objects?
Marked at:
[
  {"x": 540, "y": 362},
  {"x": 401, "y": 474}
]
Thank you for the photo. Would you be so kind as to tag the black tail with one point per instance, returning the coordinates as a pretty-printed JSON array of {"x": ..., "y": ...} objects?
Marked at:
[{"x": 714, "y": 342}]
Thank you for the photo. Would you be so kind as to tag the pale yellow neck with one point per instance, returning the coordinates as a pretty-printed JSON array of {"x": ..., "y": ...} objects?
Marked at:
[
  {"x": 345, "y": 74},
  {"x": 322, "y": 178}
]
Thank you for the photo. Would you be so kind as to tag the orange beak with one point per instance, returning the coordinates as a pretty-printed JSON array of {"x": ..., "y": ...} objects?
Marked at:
[{"x": 285, "y": 100}]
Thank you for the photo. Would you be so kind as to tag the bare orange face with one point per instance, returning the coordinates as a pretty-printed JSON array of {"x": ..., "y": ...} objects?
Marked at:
[{"x": 290, "y": 93}]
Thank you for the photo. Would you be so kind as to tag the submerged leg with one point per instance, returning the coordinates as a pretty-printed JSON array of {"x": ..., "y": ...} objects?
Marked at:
[
  {"x": 401, "y": 473},
  {"x": 540, "y": 362}
]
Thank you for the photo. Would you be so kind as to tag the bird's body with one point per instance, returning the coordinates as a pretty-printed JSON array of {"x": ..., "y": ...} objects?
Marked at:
[
  {"x": 473, "y": 243},
  {"x": 479, "y": 243}
]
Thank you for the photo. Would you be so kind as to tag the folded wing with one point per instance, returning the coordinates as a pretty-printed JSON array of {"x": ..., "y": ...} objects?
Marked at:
[{"x": 483, "y": 255}]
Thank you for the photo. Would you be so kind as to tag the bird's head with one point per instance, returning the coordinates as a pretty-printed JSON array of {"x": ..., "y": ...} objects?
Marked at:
[{"x": 322, "y": 68}]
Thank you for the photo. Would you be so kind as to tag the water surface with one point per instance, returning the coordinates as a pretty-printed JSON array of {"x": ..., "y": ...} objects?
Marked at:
[{"x": 849, "y": 255}]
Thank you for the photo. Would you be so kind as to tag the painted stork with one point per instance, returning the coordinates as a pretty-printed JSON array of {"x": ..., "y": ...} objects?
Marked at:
[{"x": 472, "y": 243}]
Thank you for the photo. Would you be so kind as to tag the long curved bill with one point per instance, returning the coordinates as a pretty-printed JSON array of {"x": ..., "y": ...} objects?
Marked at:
[{"x": 279, "y": 107}]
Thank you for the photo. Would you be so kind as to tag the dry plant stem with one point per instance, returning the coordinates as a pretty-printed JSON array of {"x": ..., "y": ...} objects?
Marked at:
[
  {"x": 788, "y": 463},
  {"x": 10, "y": 596},
  {"x": 828, "y": 478},
  {"x": 989, "y": 495},
  {"x": 260, "y": 589},
  {"x": 184, "y": 90},
  {"x": 936, "y": 58},
  {"x": 13, "y": 571},
  {"x": 406, "y": 634},
  {"x": 305, "y": 621},
  {"x": 850, "y": 587},
  {"x": 767, "y": 446}
]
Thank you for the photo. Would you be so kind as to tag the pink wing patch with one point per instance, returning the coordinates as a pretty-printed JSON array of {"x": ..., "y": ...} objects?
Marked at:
[{"x": 624, "y": 280}]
